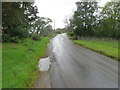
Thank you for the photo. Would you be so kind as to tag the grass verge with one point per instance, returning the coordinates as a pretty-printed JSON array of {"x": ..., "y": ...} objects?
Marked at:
[
  {"x": 0, "y": 65},
  {"x": 19, "y": 62},
  {"x": 108, "y": 48}
]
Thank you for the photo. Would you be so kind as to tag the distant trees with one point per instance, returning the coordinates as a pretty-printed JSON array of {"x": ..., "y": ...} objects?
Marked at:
[
  {"x": 40, "y": 24},
  {"x": 20, "y": 20},
  {"x": 109, "y": 25},
  {"x": 89, "y": 21},
  {"x": 60, "y": 30},
  {"x": 84, "y": 18}
]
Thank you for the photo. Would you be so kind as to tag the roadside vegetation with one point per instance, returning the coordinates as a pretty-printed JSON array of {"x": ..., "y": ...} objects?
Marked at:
[
  {"x": 108, "y": 48},
  {"x": 90, "y": 20},
  {"x": 0, "y": 65},
  {"x": 96, "y": 24},
  {"x": 20, "y": 62},
  {"x": 25, "y": 36},
  {"x": 23, "y": 22}
]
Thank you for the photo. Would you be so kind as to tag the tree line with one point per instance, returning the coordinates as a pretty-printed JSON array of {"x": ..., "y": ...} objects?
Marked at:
[
  {"x": 91, "y": 20},
  {"x": 20, "y": 20}
]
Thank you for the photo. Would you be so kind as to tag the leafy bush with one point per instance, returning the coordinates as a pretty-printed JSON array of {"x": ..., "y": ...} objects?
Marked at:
[
  {"x": 6, "y": 38},
  {"x": 21, "y": 32},
  {"x": 14, "y": 40},
  {"x": 72, "y": 35},
  {"x": 36, "y": 37},
  {"x": 58, "y": 32},
  {"x": 15, "y": 35}
]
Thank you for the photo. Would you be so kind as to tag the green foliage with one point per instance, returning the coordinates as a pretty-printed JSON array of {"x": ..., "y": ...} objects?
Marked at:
[
  {"x": 60, "y": 30},
  {"x": 109, "y": 48},
  {"x": 72, "y": 35},
  {"x": 89, "y": 21},
  {"x": 17, "y": 17},
  {"x": 6, "y": 38},
  {"x": 84, "y": 18},
  {"x": 21, "y": 32},
  {"x": 47, "y": 30},
  {"x": 14, "y": 40},
  {"x": 42, "y": 26},
  {"x": 109, "y": 24},
  {"x": 20, "y": 19},
  {"x": 20, "y": 62},
  {"x": 36, "y": 37},
  {"x": 0, "y": 65}
]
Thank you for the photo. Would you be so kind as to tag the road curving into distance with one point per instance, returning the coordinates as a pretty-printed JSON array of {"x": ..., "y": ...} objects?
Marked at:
[{"x": 78, "y": 67}]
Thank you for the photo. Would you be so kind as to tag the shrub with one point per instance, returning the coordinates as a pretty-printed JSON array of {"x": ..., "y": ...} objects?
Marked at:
[
  {"x": 21, "y": 32},
  {"x": 72, "y": 35},
  {"x": 15, "y": 34},
  {"x": 5, "y": 38},
  {"x": 36, "y": 37},
  {"x": 14, "y": 40},
  {"x": 58, "y": 32}
]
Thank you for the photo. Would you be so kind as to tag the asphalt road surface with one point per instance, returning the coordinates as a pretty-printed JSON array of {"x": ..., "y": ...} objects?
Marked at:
[{"x": 77, "y": 67}]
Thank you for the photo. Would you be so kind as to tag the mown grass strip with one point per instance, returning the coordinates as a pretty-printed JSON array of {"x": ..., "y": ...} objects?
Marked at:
[{"x": 108, "y": 48}]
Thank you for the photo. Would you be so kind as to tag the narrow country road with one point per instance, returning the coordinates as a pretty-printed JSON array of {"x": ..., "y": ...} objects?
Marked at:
[{"x": 77, "y": 67}]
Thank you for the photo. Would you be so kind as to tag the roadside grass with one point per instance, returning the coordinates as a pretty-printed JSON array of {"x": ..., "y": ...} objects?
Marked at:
[
  {"x": 0, "y": 65},
  {"x": 19, "y": 62},
  {"x": 108, "y": 48}
]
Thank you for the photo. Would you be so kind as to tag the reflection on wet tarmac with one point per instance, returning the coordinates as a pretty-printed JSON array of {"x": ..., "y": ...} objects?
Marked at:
[{"x": 77, "y": 67}]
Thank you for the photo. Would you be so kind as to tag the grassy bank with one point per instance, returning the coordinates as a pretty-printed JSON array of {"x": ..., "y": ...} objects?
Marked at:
[
  {"x": 0, "y": 65},
  {"x": 20, "y": 62},
  {"x": 108, "y": 48}
]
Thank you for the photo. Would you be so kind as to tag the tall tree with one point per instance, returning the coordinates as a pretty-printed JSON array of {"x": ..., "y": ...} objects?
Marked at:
[
  {"x": 110, "y": 20},
  {"x": 17, "y": 17},
  {"x": 84, "y": 18},
  {"x": 41, "y": 24}
]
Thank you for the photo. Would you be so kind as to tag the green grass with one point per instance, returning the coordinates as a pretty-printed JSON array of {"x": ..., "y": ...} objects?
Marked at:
[
  {"x": 19, "y": 63},
  {"x": 0, "y": 66},
  {"x": 108, "y": 48}
]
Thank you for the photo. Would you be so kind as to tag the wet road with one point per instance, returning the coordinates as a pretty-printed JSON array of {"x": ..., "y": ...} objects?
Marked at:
[{"x": 77, "y": 67}]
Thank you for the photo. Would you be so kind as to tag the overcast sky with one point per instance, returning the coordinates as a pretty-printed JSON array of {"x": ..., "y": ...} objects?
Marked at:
[{"x": 59, "y": 9}]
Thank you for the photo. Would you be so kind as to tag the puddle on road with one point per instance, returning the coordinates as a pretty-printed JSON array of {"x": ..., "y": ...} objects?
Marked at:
[
  {"x": 43, "y": 80},
  {"x": 44, "y": 64}
]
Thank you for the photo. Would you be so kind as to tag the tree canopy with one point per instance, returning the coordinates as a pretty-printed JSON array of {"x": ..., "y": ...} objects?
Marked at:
[
  {"x": 92, "y": 21},
  {"x": 20, "y": 20}
]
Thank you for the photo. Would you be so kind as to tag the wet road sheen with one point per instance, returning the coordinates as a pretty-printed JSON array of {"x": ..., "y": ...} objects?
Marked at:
[{"x": 77, "y": 67}]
